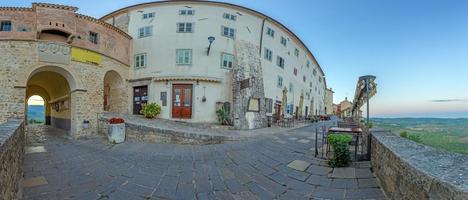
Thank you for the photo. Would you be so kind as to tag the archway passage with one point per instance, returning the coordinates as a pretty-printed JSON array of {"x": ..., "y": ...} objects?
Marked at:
[
  {"x": 36, "y": 110},
  {"x": 55, "y": 90},
  {"x": 114, "y": 93}
]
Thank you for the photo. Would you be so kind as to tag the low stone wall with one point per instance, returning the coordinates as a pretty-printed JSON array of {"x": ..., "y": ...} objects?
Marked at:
[
  {"x": 12, "y": 142},
  {"x": 140, "y": 132},
  {"x": 408, "y": 170}
]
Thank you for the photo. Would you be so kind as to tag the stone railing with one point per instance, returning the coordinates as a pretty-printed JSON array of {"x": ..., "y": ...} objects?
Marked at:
[
  {"x": 12, "y": 142},
  {"x": 408, "y": 170}
]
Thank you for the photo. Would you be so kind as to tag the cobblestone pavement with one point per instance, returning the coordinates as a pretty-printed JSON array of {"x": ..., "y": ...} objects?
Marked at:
[{"x": 277, "y": 166}]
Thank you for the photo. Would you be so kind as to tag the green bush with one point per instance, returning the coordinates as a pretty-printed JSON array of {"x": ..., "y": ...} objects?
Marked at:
[
  {"x": 404, "y": 134},
  {"x": 224, "y": 117},
  {"x": 150, "y": 110},
  {"x": 415, "y": 138},
  {"x": 340, "y": 145}
]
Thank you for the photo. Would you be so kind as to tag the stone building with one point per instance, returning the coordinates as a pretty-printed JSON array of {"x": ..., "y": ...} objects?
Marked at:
[
  {"x": 345, "y": 108},
  {"x": 72, "y": 61},
  {"x": 329, "y": 102},
  {"x": 190, "y": 57}
]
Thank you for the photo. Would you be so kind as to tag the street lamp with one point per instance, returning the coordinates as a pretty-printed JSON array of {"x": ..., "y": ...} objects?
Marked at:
[{"x": 210, "y": 39}]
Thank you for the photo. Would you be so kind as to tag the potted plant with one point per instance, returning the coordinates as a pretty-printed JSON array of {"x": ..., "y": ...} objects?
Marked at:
[
  {"x": 150, "y": 110},
  {"x": 116, "y": 130}
]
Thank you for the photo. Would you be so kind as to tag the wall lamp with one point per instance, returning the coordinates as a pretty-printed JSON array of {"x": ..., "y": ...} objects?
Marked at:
[{"x": 210, "y": 39}]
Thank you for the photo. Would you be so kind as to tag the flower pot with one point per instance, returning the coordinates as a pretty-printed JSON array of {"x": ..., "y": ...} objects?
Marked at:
[{"x": 116, "y": 133}]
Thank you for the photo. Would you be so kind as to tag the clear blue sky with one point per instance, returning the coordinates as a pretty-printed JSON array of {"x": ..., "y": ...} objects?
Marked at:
[{"x": 418, "y": 49}]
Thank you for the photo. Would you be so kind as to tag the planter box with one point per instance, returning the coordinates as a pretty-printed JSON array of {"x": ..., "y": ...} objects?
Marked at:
[{"x": 116, "y": 133}]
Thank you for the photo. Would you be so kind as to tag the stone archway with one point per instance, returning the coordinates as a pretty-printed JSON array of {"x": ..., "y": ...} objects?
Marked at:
[
  {"x": 115, "y": 97},
  {"x": 55, "y": 85}
]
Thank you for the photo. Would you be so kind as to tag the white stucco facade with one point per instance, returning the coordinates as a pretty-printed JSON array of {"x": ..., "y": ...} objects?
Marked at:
[{"x": 205, "y": 73}]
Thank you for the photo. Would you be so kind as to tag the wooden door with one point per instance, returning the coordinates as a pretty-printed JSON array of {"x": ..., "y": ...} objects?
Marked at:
[
  {"x": 140, "y": 97},
  {"x": 182, "y": 101}
]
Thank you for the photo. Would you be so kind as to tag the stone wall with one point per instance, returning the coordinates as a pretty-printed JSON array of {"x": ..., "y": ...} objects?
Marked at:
[
  {"x": 408, "y": 170},
  {"x": 247, "y": 85},
  {"x": 12, "y": 143}
]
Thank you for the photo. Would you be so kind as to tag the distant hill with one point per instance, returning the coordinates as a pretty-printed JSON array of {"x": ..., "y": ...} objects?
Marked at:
[
  {"x": 36, "y": 113},
  {"x": 444, "y": 133}
]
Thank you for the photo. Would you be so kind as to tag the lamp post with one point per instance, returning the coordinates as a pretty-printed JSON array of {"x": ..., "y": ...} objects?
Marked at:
[{"x": 210, "y": 40}]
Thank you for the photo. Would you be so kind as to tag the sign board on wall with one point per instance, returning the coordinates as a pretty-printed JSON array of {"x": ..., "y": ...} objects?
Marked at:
[
  {"x": 85, "y": 56},
  {"x": 53, "y": 52}
]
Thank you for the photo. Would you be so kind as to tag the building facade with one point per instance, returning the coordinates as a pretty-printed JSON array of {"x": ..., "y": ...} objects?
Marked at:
[
  {"x": 171, "y": 61},
  {"x": 191, "y": 57},
  {"x": 345, "y": 108}
]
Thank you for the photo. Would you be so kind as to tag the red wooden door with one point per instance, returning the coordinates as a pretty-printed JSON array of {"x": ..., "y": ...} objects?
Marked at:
[{"x": 182, "y": 101}]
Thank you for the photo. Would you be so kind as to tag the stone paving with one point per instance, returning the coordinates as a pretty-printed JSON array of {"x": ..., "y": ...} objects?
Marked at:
[{"x": 272, "y": 166}]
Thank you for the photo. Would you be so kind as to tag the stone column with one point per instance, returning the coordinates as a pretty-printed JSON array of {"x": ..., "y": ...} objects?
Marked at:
[{"x": 247, "y": 85}]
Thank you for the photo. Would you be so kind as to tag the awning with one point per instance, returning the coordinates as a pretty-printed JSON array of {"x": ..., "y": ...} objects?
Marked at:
[
  {"x": 188, "y": 78},
  {"x": 366, "y": 88}
]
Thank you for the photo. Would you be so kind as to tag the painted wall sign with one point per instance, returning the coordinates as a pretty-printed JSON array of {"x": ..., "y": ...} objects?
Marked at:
[
  {"x": 85, "y": 56},
  {"x": 254, "y": 105},
  {"x": 163, "y": 98}
]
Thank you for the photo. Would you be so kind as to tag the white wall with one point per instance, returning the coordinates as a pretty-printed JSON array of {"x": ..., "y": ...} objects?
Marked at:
[{"x": 161, "y": 49}]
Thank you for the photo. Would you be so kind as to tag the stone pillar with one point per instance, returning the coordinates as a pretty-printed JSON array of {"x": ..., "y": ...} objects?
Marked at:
[
  {"x": 82, "y": 110},
  {"x": 247, "y": 85}
]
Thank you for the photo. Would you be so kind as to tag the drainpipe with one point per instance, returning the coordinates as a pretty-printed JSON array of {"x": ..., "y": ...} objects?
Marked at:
[{"x": 261, "y": 37}]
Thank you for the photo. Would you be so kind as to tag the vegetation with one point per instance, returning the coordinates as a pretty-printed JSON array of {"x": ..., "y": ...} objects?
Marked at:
[
  {"x": 150, "y": 110},
  {"x": 116, "y": 120},
  {"x": 448, "y": 134},
  {"x": 341, "y": 153},
  {"x": 224, "y": 116}
]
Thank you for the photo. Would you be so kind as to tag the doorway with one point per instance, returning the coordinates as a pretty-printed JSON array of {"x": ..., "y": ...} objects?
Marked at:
[
  {"x": 140, "y": 97},
  {"x": 182, "y": 101},
  {"x": 36, "y": 110}
]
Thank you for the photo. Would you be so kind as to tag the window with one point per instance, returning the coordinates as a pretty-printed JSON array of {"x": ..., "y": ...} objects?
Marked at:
[
  {"x": 230, "y": 16},
  {"x": 145, "y": 31},
  {"x": 228, "y": 32},
  {"x": 227, "y": 60},
  {"x": 270, "y": 32},
  {"x": 291, "y": 87},
  {"x": 5, "y": 26},
  {"x": 184, "y": 56},
  {"x": 310, "y": 84},
  {"x": 268, "y": 54},
  {"x": 295, "y": 71},
  {"x": 314, "y": 72},
  {"x": 320, "y": 79},
  {"x": 280, "y": 61},
  {"x": 296, "y": 52},
  {"x": 186, "y": 12},
  {"x": 185, "y": 27},
  {"x": 308, "y": 63},
  {"x": 148, "y": 15},
  {"x": 283, "y": 41},
  {"x": 279, "y": 82},
  {"x": 140, "y": 60},
  {"x": 93, "y": 37},
  {"x": 304, "y": 78}
]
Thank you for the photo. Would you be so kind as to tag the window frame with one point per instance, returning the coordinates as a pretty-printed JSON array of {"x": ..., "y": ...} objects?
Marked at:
[
  {"x": 222, "y": 60},
  {"x": 229, "y": 32},
  {"x": 267, "y": 56},
  {"x": 145, "y": 28},
  {"x": 283, "y": 41},
  {"x": 148, "y": 15},
  {"x": 230, "y": 16},
  {"x": 187, "y": 12},
  {"x": 279, "y": 81},
  {"x": 185, "y": 27},
  {"x": 190, "y": 57},
  {"x": 93, "y": 37},
  {"x": 270, "y": 32},
  {"x": 3, "y": 24},
  {"x": 280, "y": 62},
  {"x": 137, "y": 64}
]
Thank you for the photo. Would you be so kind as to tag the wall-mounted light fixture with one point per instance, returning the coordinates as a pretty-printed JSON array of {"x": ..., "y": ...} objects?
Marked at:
[{"x": 210, "y": 40}]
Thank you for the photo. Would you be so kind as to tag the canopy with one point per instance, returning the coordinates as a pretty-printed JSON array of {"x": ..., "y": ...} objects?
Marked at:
[{"x": 366, "y": 88}]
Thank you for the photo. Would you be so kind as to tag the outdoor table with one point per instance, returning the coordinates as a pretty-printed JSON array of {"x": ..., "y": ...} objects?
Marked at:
[{"x": 349, "y": 131}]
